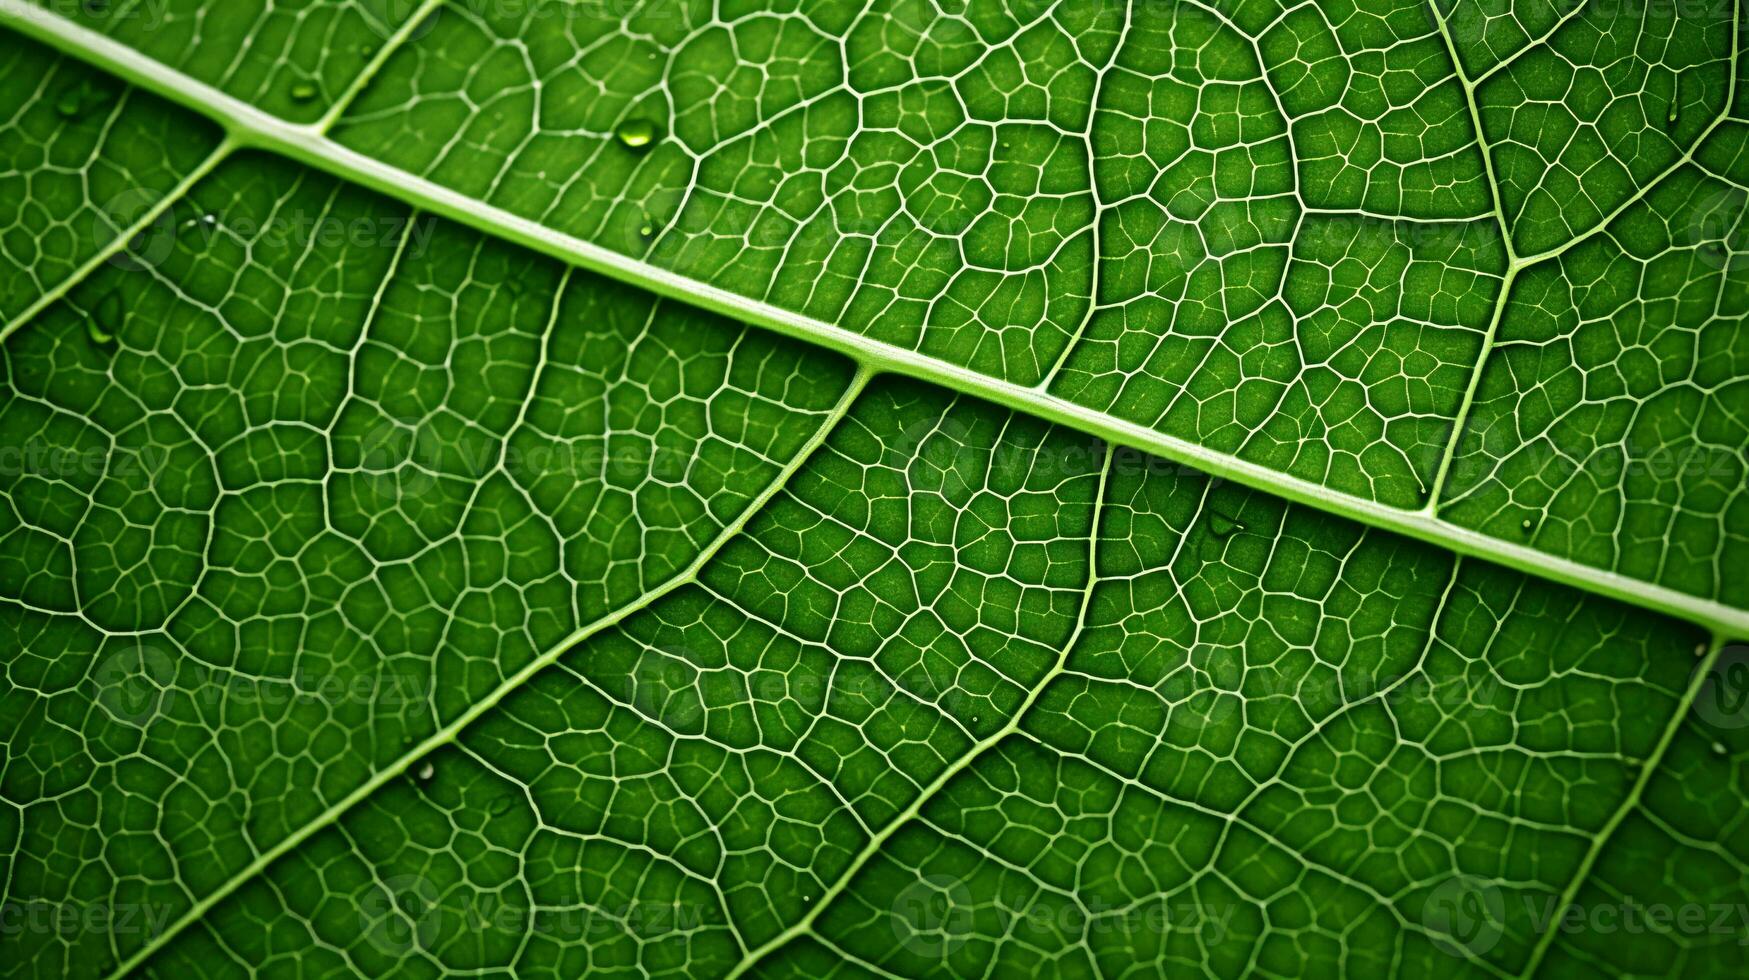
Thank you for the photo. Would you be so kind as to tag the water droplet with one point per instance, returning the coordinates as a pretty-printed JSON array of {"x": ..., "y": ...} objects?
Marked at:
[
  {"x": 77, "y": 101},
  {"x": 1221, "y": 526},
  {"x": 304, "y": 90},
  {"x": 500, "y": 806},
  {"x": 106, "y": 319},
  {"x": 1527, "y": 524},
  {"x": 70, "y": 105},
  {"x": 1700, "y": 649},
  {"x": 648, "y": 228},
  {"x": 1718, "y": 748},
  {"x": 636, "y": 134},
  {"x": 426, "y": 771}
]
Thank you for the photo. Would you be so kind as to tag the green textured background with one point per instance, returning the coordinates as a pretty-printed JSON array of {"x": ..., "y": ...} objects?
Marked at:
[{"x": 390, "y": 585}]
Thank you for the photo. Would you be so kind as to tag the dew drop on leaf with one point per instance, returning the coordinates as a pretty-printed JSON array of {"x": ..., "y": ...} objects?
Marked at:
[
  {"x": 500, "y": 806},
  {"x": 1718, "y": 748},
  {"x": 304, "y": 90},
  {"x": 106, "y": 319},
  {"x": 70, "y": 105},
  {"x": 78, "y": 101},
  {"x": 426, "y": 771},
  {"x": 636, "y": 134},
  {"x": 1526, "y": 525},
  {"x": 1223, "y": 526}
]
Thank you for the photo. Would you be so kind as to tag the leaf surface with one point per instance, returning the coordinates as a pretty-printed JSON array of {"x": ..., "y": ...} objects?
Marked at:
[{"x": 390, "y": 595}]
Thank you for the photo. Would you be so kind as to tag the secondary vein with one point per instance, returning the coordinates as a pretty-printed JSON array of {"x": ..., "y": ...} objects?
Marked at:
[
  {"x": 805, "y": 925},
  {"x": 449, "y": 732},
  {"x": 253, "y": 128}
]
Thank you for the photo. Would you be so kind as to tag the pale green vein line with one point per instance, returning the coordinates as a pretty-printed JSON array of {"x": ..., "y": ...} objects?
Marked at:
[
  {"x": 805, "y": 925},
  {"x": 1686, "y": 158},
  {"x": 1517, "y": 263},
  {"x": 1632, "y": 800},
  {"x": 369, "y": 73},
  {"x": 1475, "y": 114},
  {"x": 1074, "y": 341},
  {"x": 1461, "y": 421},
  {"x": 449, "y": 732},
  {"x": 223, "y": 151},
  {"x": 122, "y": 239},
  {"x": 304, "y": 144},
  {"x": 1467, "y": 404}
]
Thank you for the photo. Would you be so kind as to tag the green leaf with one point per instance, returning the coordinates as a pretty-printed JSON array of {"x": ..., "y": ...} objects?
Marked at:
[{"x": 925, "y": 490}]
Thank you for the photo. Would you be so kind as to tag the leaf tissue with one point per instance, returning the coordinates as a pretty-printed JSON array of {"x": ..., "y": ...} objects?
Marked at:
[{"x": 922, "y": 488}]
